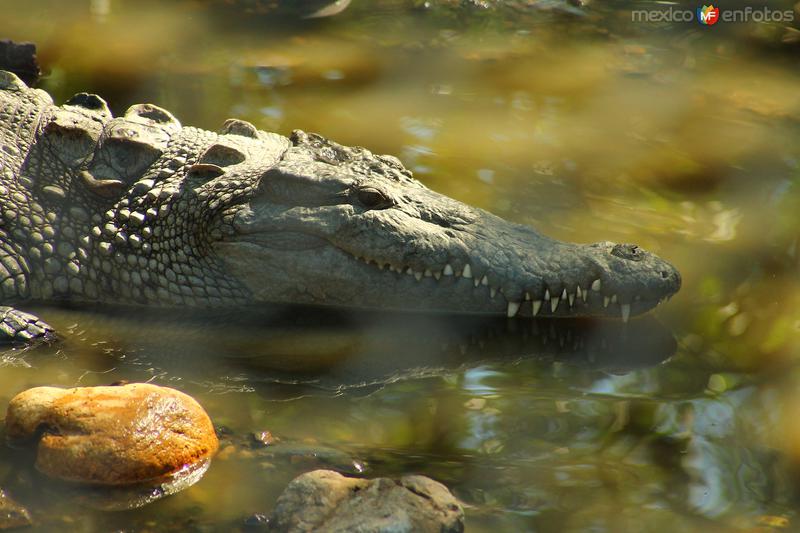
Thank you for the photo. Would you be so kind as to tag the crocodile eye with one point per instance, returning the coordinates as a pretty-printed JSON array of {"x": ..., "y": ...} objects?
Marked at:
[
  {"x": 372, "y": 198},
  {"x": 628, "y": 251}
]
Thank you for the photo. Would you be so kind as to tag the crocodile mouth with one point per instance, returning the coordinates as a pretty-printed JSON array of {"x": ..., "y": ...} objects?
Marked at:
[
  {"x": 305, "y": 268},
  {"x": 561, "y": 299}
]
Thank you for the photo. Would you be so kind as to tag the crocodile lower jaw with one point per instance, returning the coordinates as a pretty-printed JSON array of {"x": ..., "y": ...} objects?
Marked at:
[{"x": 589, "y": 300}]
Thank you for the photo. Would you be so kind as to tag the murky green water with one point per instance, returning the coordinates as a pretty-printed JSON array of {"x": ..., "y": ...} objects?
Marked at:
[{"x": 679, "y": 137}]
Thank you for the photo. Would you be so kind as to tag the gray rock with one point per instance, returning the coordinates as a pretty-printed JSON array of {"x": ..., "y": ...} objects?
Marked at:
[
  {"x": 12, "y": 514},
  {"x": 326, "y": 501}
]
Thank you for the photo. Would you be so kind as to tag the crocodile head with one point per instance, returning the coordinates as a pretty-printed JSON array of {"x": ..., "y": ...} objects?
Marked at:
[{"x": 330, "y": 224}]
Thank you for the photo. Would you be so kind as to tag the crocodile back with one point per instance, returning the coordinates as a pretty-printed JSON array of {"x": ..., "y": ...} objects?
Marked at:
[{"x": 21, "y": 109}]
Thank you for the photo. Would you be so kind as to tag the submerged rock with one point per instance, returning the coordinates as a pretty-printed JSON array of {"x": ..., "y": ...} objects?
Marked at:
[
  {"x": 117, "y": 435},
  {"x": 324, "y": 500},
  {"x": 291, "y": 8},
  {"x": 20, "y": 58},
  {"x": 12, "y": 514}
]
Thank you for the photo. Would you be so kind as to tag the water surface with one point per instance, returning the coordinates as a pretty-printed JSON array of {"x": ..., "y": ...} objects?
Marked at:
[{"x": 574, "y": 119}]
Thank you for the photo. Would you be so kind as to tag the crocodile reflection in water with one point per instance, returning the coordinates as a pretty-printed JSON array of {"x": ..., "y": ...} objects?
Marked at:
[{"x": 330, "y": 349}]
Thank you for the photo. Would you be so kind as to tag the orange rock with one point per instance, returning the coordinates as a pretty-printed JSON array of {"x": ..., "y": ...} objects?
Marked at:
[{"x": 112, "y": 435}]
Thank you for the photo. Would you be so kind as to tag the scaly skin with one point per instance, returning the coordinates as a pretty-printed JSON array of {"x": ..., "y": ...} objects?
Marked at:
[{"x": 140, "y": 210}]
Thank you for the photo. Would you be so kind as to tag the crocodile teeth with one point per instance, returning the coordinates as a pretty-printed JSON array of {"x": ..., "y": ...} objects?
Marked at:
[
  {"x": 585, "y": 294},
  {"x": 492, "y": 292},
  {"x": 437, "y": 275},
  {"x": 626, "y": 311},
  {"x": 571, "y": 299},
  {"x": 547, "y": 294},
  {"x": 467, "y": 273},
  {"x": 428, "y": 273},
  {"x": 614, "y": 299},
  {"x": 527, "y": 296},
  {"x": 596, "y": 285},
  {"x": 477, "y": 282},
  {"x": 578, "y": 291},
  {"x": 554, "y": 303},
  {"x": 513, "y": 307},
  {"x": 606, "y": 299},
  {"x": 564, "y": 294},
  {"x": 418, "y": 275},
  {"x": 537, "y": 304},
  {"x": 484, "y": 280},
  {"x": 410, "y": 271},
  {"x": 448, "y": 270}
]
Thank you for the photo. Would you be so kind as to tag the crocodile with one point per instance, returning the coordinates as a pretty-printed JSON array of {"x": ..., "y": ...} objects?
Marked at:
[{"x": 140, "y": 210}]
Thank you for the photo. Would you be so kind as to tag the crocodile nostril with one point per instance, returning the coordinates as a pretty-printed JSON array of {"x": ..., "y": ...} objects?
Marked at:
[{"x": 664, "y": 274}]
